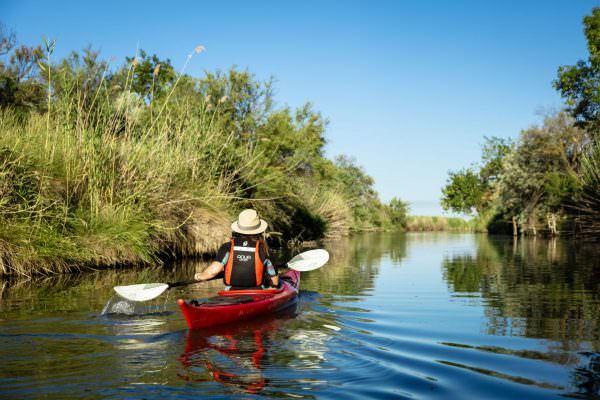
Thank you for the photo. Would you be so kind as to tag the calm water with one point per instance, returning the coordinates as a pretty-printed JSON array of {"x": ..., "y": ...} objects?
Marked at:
[{"x": 391, "y": 316}]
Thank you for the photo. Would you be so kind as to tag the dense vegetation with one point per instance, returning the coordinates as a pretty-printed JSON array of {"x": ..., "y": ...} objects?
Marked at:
[
  {"x": 104, "y": 165},
  {"x": 549, "y": 178}
]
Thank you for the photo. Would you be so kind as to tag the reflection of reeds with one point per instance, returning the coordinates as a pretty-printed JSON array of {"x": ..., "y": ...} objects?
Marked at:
[
  {"x": 66, "y": 292},
  {"x": 354, "y": 262}
]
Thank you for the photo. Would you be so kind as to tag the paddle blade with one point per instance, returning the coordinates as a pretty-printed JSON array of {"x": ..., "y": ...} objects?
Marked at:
[
  {"x": 141, "y": 292},
  {"x": 309, "y": 260}
]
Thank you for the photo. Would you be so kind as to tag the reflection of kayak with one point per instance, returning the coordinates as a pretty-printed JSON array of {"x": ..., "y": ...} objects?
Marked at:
[
  {"x": 233, "y": 353},
  {"x": 237, "y": 305}
]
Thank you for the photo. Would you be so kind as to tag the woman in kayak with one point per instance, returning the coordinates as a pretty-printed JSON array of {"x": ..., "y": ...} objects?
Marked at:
[{"x": 244, "y": 259}]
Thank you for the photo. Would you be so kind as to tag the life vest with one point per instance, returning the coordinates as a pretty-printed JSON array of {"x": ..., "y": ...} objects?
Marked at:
[{"x": 244, "y": 266}]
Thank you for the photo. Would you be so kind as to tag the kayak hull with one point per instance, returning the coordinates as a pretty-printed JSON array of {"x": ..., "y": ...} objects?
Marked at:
[{"x": 252, "y": 303}]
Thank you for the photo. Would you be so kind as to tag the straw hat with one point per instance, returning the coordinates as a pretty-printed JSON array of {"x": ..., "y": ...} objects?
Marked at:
[{"x": 248, "y": 223}]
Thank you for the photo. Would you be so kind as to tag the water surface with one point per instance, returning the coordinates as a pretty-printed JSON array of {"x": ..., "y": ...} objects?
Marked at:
[{"x": 391, "y": 316}]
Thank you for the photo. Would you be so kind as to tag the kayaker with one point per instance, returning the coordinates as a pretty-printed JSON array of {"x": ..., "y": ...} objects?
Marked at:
[{"x": 244, "y": 260}]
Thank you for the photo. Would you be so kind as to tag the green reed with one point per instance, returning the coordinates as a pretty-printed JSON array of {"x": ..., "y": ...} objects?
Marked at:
[{"x": 97, "y": 180}]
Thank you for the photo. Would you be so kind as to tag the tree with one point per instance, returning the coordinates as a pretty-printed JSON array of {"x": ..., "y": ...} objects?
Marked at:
[
  {"x": 521, "y": 185},
  {"x": 493, "y": 152},
  {"x": 79, "y": 75},
  {"x": 579, "y": 84},
  {"x": 8, "y": 40},
  {"x": 539, "y": 175},
  {"x": 242, "y": 103},
  {"x": 292, "y": 139},
  {"x": 358, "y": 188},
  {"x": 398, "y": 212},
  {"x": 473, "y": 189},
  {"x": 463, "y": 192},
  {"x": 152, "y": 77},
  {"x": 20, "y": 85}
]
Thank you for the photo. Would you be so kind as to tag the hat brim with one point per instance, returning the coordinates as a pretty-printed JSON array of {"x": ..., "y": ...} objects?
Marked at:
[{"x": 236, "y": 228}]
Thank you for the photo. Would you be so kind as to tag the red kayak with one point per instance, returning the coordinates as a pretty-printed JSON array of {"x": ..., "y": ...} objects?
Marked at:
[{"x": 237, "y": 305}]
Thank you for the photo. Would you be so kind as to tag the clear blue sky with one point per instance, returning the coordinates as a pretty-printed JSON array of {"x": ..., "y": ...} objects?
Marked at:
[{"x": 409, "y": 88}]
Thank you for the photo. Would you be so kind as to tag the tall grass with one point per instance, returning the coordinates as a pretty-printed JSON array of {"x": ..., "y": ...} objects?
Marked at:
[
  {"x": 118, "y": 169},
  {"x": 327, "y": 205},
  {"x": 587, "y": 207},
  {"x": 101, "y": 182},
  {"x": 434, "y": 223}
]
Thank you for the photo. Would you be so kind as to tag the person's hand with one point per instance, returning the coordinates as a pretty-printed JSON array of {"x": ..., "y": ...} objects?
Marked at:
[{"x": 213, "y": 270}]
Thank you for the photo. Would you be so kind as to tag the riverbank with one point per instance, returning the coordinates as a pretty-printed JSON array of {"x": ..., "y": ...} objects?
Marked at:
[
  {"x": 102, "y": 167},
  {"x": 421, "y": 223},
  {"x": 98, "y": 188}
]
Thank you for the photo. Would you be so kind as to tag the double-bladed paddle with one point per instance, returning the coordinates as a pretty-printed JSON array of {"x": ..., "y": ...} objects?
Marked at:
[{"x": 306, "y": 261}]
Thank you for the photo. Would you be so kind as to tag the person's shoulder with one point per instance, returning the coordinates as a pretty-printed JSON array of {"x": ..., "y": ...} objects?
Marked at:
[
  {"x": 224, "y": 248},
  {"x": 225, "y": 245},
  {"x": 262, "y": 251}
]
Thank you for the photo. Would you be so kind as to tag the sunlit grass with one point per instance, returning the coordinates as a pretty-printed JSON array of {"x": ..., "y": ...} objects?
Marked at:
[
  {"x": 102, "y": 186},
  {"x": 435, "y": 223}
]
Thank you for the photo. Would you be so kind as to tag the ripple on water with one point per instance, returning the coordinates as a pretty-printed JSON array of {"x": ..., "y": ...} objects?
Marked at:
[{"x": 391, "y": 316}]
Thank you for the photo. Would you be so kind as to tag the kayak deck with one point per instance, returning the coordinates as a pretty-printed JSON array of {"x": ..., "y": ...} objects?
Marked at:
[{"x": 237, "y": 305}]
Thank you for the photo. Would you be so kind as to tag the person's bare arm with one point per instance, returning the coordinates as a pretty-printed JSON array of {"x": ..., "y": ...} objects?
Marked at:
[
  {"x": 272, "y": 272},
  {"x": 210, "y": 272}
]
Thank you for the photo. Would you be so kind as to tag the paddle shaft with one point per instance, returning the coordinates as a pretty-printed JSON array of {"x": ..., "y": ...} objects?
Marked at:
[
  {"x": 182, "y": 283},
  {"x": 185, "y": 283},
  {"x": 145, "y": 292},
  {"x": 218, "y": 276}
]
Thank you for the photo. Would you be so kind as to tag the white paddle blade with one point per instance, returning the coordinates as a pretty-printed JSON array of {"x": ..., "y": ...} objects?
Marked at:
[
  {"x": 309, "y": 260},
  {"x": 141, "y": 292}
]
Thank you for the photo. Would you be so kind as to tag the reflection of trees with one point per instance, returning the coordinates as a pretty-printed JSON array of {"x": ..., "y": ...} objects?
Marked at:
[
  {"x": 354, "y": 263},
  {"x": 548, "y": 289},
  {"x": 71, "y": 292},
  {"x": 536, "y": 288},
  {"x": 464, "y": 272}
]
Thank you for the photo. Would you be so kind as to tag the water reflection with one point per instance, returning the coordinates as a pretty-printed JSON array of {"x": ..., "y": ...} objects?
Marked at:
[
  {"x": 64, "y": 293},
  {"x": 538, "y": 288},
  {"x": 535, "y": 288},
  {"x": 234, "y": 355},
  {"x": 391, "y": 315},
  {"x": 586, "y": 376},
  {"x": 355, "y": 263}
]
